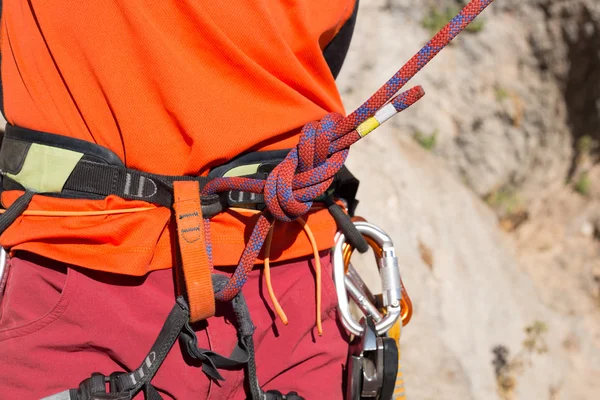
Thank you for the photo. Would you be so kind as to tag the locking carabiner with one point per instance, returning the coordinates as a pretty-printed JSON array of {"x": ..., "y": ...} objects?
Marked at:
[
  {"x": 359, "y": 291},
  {"x": 388, "y": 271}
]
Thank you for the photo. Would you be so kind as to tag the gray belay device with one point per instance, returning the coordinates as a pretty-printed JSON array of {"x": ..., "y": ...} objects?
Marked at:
[{"x": 372, "y": 365}]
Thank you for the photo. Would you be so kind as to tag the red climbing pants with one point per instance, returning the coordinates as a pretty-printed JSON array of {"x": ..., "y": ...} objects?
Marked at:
[{"x": 60, "y": 324}]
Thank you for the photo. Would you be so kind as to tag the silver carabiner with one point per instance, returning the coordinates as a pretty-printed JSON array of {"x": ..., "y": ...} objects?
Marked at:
[
  {"x": 2, "y": 261},
  {"x": 360, "y": 293},
  {"x": 389, "y": 274}
]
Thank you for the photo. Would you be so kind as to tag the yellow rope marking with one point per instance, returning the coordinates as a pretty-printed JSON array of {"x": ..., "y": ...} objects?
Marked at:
[{"x": 367, "y": 127}]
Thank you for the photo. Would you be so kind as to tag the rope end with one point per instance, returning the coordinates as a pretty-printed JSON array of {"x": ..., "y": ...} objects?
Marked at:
[{"x": 283, "y": 318}]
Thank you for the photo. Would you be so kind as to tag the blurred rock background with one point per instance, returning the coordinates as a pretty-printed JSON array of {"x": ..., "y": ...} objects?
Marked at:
[{"x": 490, "y": 188}]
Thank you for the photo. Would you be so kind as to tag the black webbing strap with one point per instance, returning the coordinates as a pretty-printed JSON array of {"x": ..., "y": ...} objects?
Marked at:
[
  {"x": 124, "y": 386},
  {"x": 104, "y": 180},
  {"x": 15, "y": 210},
  {"x": 243, "y": 353},
  {"x": 345, "y": 224},
  {"x": 151, "y": 393},
  {"x": 100, "y": 173},
  {"x": 134, "y": 381}
]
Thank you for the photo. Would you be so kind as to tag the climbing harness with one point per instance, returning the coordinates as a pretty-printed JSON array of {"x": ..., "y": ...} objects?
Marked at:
[{"x": 283, "y": 188}]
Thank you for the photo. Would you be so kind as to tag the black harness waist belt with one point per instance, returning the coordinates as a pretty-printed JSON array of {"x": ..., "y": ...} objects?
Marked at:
[{"x": 85, "y": 170}]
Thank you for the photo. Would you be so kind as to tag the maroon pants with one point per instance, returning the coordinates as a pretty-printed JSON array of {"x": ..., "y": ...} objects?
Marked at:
[{"x": 59, "y": 324}]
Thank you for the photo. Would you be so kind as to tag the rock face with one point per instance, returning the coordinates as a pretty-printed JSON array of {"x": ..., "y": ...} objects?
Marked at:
[{"x": 507, "y": 104}]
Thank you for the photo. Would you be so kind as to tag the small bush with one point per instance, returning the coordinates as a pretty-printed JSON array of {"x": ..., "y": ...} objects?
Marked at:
[
  {"x": 586, "y": 144},
  {"x": 583, "y": 184},
  {"x": 501, "y": 94},
  {"x": 534, "y": 341},
  {"x": 435, "y": 20},
  {"x": 427, "y": 142},
  {"x": 506, "y": 200}
]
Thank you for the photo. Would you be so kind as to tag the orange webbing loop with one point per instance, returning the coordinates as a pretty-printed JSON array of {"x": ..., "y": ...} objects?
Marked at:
[{"x": 192, "y": 246}]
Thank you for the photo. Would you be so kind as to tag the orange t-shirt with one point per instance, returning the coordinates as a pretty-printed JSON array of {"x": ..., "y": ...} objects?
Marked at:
[{"x": 172, "y": 87}]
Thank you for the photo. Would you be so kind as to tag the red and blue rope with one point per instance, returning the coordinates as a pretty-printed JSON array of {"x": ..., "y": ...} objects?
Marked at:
[{"x": 309, "y": 168}]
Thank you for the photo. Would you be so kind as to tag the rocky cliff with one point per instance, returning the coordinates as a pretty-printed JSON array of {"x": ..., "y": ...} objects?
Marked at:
[{"x": 491, "y": 190}]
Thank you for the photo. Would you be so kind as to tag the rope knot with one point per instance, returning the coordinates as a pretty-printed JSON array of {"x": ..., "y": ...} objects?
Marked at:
[{"x": 307, "y": 171}]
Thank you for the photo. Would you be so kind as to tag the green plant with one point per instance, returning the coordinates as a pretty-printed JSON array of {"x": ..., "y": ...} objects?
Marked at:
[
  {"x": 506, "y": 200},
  {"x": 476, "y": 26},
  {"x": 586, "y": 144},
  {"x": 501, "y": 93},
  {"x": 583, "y": 184},
  {"x": 534, "y": 341},
  {"x": 435, "y": 20},
  {"x": 427, "y": 142}
]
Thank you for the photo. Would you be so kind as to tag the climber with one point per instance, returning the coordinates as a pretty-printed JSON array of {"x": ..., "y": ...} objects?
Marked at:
[
  {"x": 172, "y": 88},
  {"x": 150, "y": 148}
]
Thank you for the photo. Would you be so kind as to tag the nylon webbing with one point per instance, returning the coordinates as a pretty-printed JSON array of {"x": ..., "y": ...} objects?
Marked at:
[
  {"x": 197, "y": 266},
  {"x": 135, "y": 380},
  {"x": 240, "y": 354},
  {"x": 104, "y": 180},
  {"x": 243, "y": 353},
  {"x": 124, "y": 386},
  {"x": 345, "y": 224},
  {"x": 15, "y": 210}
]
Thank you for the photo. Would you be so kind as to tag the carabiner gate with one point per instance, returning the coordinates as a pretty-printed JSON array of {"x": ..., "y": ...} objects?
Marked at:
[{"x": 388, "y": 271}]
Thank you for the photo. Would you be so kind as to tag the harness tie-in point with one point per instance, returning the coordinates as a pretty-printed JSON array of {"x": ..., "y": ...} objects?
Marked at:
[{"x": 305, "y": 174}]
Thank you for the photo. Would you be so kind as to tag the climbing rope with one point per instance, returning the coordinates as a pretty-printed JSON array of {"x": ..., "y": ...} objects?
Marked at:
[{"x": 309, "y": 168}]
